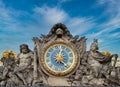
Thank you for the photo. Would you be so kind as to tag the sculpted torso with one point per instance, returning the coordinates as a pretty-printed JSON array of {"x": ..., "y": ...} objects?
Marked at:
[{"x": 25, "y": 58}]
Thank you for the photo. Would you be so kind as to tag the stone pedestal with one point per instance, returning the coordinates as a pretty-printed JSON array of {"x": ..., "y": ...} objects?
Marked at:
[{"x": 58, "y": 81}]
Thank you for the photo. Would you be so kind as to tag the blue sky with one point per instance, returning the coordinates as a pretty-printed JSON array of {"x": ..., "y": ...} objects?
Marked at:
[{"x": 20, "y": 20}]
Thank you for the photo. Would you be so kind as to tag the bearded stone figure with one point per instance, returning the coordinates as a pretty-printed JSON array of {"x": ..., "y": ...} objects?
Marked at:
[{"x": 24, "y": 65}]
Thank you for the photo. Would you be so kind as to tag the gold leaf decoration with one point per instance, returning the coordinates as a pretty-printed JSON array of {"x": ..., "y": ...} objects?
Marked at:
[
  {"x": 106, "y": 53},
  {"x": 9, "y": 53}
]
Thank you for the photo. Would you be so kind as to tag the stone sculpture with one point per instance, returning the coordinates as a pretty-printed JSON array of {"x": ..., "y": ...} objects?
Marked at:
[
  {"x": 24, "y": 68},
  {"x": 92, "y": 68}
]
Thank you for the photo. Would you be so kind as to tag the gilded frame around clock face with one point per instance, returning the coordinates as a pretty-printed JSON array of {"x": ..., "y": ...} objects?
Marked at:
[{"x": 59, "y": 59}]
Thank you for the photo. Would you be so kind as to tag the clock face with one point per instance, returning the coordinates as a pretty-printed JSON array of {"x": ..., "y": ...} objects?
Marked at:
[{"x": 59, "y": 59}]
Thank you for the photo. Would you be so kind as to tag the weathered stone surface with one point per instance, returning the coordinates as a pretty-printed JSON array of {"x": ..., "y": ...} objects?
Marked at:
[
  {"x": 93, "y": 69},
  {"x": 57, "y": 81}
]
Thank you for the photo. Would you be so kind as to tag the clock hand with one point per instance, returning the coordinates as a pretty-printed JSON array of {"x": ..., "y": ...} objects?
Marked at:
[
  {"x": 64, "y": 64},
  {"x": 60, "y": 50}
]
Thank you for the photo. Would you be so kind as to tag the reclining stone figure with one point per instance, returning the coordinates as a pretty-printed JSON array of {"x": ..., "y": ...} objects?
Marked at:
[{"x": 24, "y": 62}]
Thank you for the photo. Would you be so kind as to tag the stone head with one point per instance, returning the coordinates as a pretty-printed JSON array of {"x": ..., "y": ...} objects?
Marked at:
[
  {"x": 59, "y": 32},
  {"x": 24, "y": 49},
  {"x": 94, "y": 45}
]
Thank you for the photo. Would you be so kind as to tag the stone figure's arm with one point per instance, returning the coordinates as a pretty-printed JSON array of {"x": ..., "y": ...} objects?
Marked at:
[
  {"x": 98, "y": 55},
  {"x": 30, "y": 61},
  {"x": 17, "y": 59}
]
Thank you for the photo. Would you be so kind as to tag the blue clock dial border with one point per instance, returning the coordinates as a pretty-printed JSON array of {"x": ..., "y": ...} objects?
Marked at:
[
  {"x": 67, "y": 54},
  {"x": 70, "y": 63}
]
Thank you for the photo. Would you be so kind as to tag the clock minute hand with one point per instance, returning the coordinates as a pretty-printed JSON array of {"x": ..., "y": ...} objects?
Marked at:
[
  {"x": 64, "y": 64},
  {"x": 60, "y": 50}
]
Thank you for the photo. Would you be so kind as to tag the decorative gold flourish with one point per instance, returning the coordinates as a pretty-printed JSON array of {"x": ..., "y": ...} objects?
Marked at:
[
  {"x": 8, "y": 53},
  {"x": 5, "y": 54},
  {"x": 106, "y": 53}
]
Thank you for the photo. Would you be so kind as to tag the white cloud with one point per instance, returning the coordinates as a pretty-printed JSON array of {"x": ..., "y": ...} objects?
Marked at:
[
  {"x": 81, "y": 25},
  {"x": 51, "y": 15},
  {"x": 112, "y": 12},
  {"x": 115, "y": 35},
  {"x": 12, "y": 30},
  {"x": 60, "y": 2},
  {"x": 64, "y": 0},
  {"x": 102, "y": 2},
  {"x": 101, "y": 40},
  {"x": 47, "y": 16},
  {"x": 4, "y": 14},
  {"x": 78, "y": 25},
  {"x": 8, "y": 19}
]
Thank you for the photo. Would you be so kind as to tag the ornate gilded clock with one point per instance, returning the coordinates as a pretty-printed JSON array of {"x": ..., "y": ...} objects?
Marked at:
[{"x": 59, "y": 59}]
